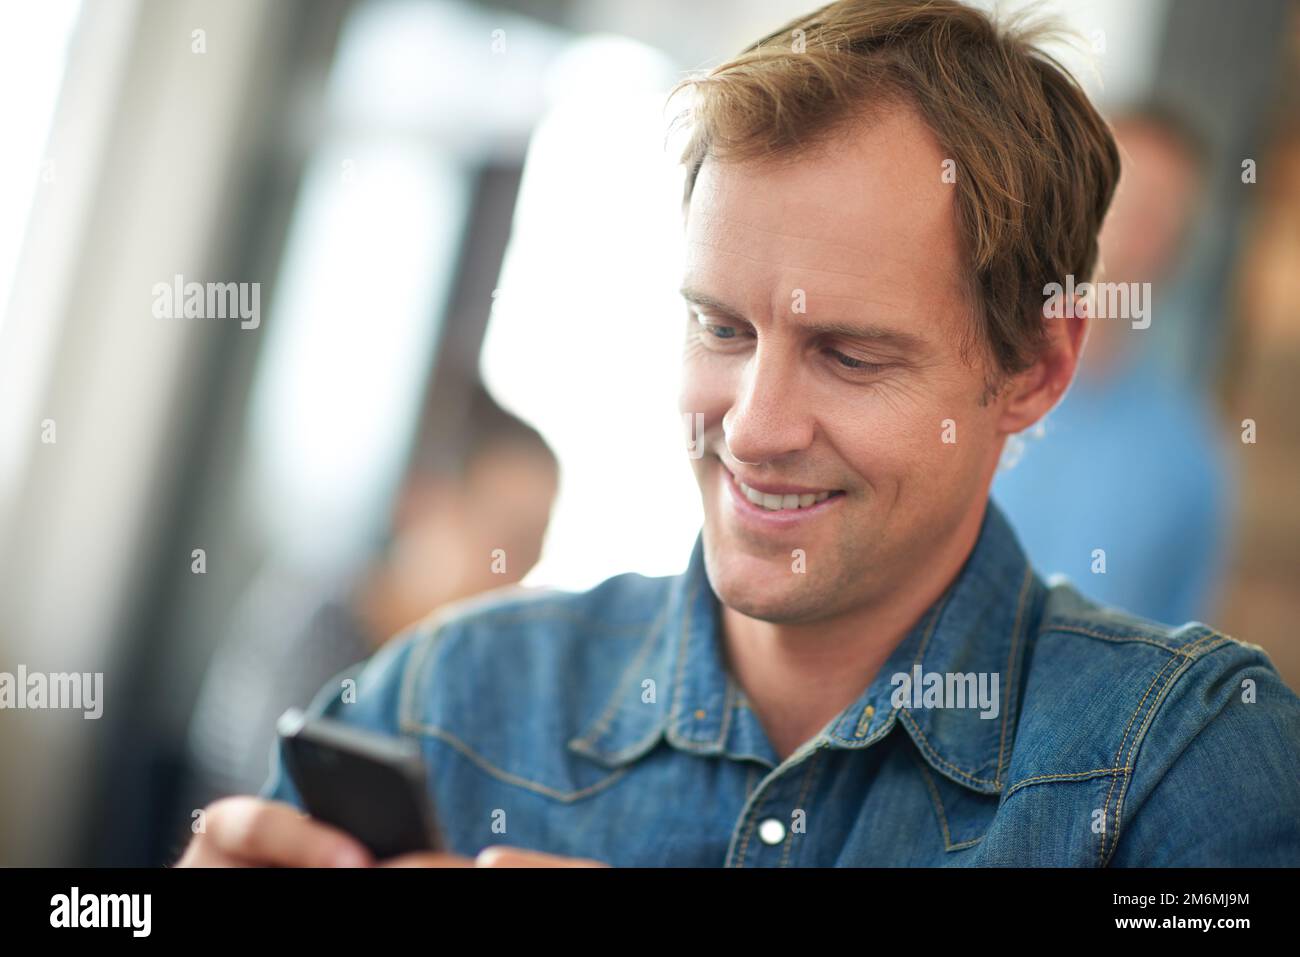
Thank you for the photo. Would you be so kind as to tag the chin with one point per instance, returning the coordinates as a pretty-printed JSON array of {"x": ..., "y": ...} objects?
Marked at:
[
  {"x": 760, "y": 589},
  {"x": 777, "y": 609}
]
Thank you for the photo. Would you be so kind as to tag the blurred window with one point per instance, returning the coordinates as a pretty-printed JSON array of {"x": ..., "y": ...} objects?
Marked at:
[
  {"x": 34, "y": 41},
  {"x": 420, "y": 95},
  {"x": 587, "y": 327}
]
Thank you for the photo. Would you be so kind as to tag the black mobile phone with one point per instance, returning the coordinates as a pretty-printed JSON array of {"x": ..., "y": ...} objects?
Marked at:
[{"x": 370, "y": 785}]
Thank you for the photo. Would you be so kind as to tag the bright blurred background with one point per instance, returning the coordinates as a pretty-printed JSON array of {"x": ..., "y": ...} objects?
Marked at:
[{"x": 434, "y": 192}]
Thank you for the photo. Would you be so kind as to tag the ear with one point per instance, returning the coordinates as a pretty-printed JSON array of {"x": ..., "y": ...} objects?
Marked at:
[{"x": 1035, "y": 391}]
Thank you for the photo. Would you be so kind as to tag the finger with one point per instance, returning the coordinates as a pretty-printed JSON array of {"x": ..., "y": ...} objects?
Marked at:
[
  {"x": 200, "y": 853},
  {"x": 273, "y": 832},
  {"x": 502, "y": 856},
  {"x": 423, "y": 859}
]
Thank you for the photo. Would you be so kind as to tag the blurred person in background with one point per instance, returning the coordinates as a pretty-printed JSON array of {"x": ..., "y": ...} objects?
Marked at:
[
  {"x": 1130, "y": 461},
  {"x": 292, "y": 634}
]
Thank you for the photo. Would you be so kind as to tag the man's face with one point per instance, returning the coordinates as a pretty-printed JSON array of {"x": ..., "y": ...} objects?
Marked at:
[{"x": 825, "y": 310}]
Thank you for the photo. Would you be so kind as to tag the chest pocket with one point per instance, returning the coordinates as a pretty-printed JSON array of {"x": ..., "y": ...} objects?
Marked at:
[{"x": 962, "y": 816}]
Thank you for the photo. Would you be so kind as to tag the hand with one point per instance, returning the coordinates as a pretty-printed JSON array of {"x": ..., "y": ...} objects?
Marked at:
[
  {"x": 496, "y": 856},
  {"x": 251, "y": 832}
]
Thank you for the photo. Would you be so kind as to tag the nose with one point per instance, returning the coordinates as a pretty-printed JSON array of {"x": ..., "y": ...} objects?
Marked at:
[{"x": 770, "y": 417}]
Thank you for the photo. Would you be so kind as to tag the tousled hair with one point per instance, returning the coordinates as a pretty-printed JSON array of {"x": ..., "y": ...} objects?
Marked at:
[{"x": 1035, "y": 164}]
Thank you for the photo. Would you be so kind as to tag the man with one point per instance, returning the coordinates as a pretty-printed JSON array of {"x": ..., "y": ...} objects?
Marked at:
[
  {"x": 1156, "y": 500},
  {"x": 858, "y": 667}
]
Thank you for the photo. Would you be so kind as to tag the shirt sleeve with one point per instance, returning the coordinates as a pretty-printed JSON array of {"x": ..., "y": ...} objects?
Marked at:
[
  {"x": 1216, "y": 778},
  {"x": 366, "y": 694}
]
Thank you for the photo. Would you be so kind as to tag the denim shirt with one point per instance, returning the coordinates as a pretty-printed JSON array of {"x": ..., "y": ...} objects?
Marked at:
[{"x": 604, "y": 725}]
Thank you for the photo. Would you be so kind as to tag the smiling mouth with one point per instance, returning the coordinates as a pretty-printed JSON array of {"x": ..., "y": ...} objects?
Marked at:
[{"x": 782, "y": 502}]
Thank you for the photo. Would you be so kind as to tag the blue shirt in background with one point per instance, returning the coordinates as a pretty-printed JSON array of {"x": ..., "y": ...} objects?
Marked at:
[{"x": 1131, "y": 465}]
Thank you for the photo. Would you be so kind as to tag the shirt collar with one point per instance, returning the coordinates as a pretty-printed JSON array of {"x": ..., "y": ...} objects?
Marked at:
[{"x": 977, "y": 626}]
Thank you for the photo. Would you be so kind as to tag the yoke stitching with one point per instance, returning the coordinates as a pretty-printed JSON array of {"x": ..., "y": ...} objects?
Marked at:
[{"x": 483, "y": 764}]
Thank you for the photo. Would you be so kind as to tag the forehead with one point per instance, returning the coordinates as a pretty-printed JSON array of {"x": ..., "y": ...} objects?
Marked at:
[{"x": 863, "y": 223}]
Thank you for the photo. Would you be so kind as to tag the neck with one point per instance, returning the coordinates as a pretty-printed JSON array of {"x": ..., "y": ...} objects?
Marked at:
[
  {"x": 799, "y": 675},
  {"x": 385, "y": 606}
]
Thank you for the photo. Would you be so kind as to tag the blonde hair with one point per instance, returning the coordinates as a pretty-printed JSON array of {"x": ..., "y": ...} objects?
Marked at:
[{"x": 1035, "y": 165}]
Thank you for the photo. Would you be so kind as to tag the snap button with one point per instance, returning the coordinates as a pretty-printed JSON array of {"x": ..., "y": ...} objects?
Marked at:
[{"x": 771, "y": 831}]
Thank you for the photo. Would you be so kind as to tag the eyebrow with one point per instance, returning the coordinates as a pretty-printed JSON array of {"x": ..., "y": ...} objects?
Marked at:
[{"x": 867, "y": 332}]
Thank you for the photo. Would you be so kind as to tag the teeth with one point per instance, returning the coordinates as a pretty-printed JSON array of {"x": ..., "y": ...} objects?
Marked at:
[{"x": 778, "y": 503}]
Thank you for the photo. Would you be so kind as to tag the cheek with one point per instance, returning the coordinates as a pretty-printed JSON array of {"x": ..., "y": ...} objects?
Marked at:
[
  {"x": 895, "y": 443},
  {"x": 875, "y": 445}
]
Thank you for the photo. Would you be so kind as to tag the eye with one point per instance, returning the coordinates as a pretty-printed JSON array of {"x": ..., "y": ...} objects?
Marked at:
[
  {"x": 719, "y": 331},
  {"x": 855, "y": 365}
]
